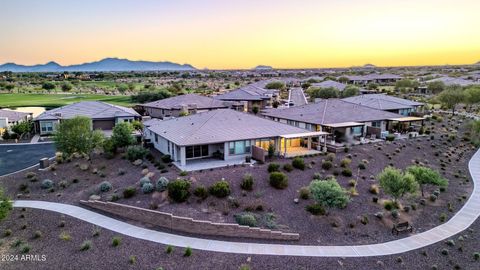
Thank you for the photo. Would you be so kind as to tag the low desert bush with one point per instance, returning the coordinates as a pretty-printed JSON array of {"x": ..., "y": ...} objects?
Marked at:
[
  {"x": 105, "y": 186},
  {"x": 327, "y": 165},
  {"x": 304, "y": 193},
  {"x": 288, "y": 167},
  {"x": 273, "y": 167},
  {"x": 162, "y": 184},
  {"x": 220, "y": 189},
  {"x": 178, "y": 190},
  {"x": 278, "y": 180},
  {"x": 246, "y": 219},
  {"x": 46, "y": 184},
  {"x": 315, "y": 209},
  {"x": 247, "y": 182},
  {"x": 298, "y": 163},
  {"x": 147, "y": 188},
  {"x": 129, "y": 192},
  {"x": 135, "y": 152},
  {"x": 201, "y": 192}
]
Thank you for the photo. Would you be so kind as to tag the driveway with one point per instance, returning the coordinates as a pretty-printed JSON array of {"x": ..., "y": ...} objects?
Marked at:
[
  {"x": 14, "y": 157},
  {"x": 297, "y": 97}
]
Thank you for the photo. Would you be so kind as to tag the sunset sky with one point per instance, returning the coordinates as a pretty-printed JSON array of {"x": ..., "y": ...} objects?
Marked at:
[{"x": 226, "y": 34}]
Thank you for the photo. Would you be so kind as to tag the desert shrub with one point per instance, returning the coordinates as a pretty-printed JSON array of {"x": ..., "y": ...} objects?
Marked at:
[
  {"x": 132, "y": 259},
  {"x": 352, "y": 182},
  {"x": 278, "y": 180},
  {"x": 65, "y": 236},
  {"x": 135, "y": 152},
  {"x": 396, "y": 183},
  {"x": 247, "y": 182},
  {"x": 37, "y": 234},
  {"x": 374, "y": 189},
  {"x": 427, "y": 176},
  {"x": 246, "y": 219},
  {"x": 201, "y": 192},
  {"x": 105, "y": 186},
  {"x": 46, "y": 184},
  {"x": 147, "y": 188},
  {"x": 327, "y": 165},
  {"x": 298, "y": 163},
  {"x": 162, "y": 184},
  {"x": 315, "y": 209},
  {"x": 31, "y": 176},
  {"x": 183, "y": 173},
  {"x": 116, "y": 241},
  {"x": 304, "y": 193},
  {"x": 390, "y": 137},
  {"x": 433, "y": 197},
  {"x": 273, "y": 167},
  {"x": 25, "y": 248},
  {"x": 169, "y": 249},
  {"x": 129, "y": 192},
  {"x": 443, "y": 217},
  {"x": 362, "y": 166},
  {"x": 389, "y": 205},
  {"x": 7, "y": 232},
  {"x": 86, "y": 245},
  {"x": 347, "y": 172},
  {"x": 220, "y": 189},
  {"x": 178, "y": 190},
  {"x": 166, "y": 158},
  {"x": 329, "y": 193},
  {"x": 331, "y": 157},
  {"x": 144, "y": 180},
  {"x": 288, "y": 167},
  {"x": 476, "y": 256},
  {"x": 188, "y": 252},
  {"x": 345, "y": 162}
]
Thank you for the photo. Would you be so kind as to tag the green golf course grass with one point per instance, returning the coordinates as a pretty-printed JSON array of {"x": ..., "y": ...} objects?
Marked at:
[{"x": 57, "y": 100}]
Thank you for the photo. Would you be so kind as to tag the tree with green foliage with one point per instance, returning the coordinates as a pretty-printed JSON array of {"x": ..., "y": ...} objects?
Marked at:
[
  {"x": 350, "y": 91},
  {"x": 328, "y": 193},
  {"x": 472, "y": 95},
  {"x": 325, "y": 93},
  {"x": 5, "y": 205},
  {"x": 22, "y": 128},
  {"x": 426, "y": 176},
  {"x": 372, "y": 86},
  {"x": 405, "y": 85},
  {"x": 396, "y": 183},
  {"x": 452, "y": 96},
  {"x": 9, "y": 87},
  {"x": 76, "y": 136},
  {"x": 275, "y": 85},
  {"x": 474, "y": 129},
  {"x": 436, "y": 87},
  {"x": 255, "y": 109},
  {"x": 66, "y": 87},
  {"x": 122, "y": 135},
  {"x": 48, "y": 86}
]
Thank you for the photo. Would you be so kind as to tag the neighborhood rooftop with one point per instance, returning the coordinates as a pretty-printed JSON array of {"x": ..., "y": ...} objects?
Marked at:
[
  {"x": 329, "y": 83},
  {"x": 201, "y": 102},
  {"x": 220, "y": 126},
  {"x": 453, "y": 81},
  {"x": 331, "y": 111},
  {"x": 382, "y": 102},
  {"x": 253, "y": 91},
  {"x": 13, "y": 116},
  {"x": 91, "y": 109}
]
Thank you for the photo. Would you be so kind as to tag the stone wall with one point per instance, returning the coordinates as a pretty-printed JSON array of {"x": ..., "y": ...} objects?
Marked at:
[{"x": 188, "y": 225}]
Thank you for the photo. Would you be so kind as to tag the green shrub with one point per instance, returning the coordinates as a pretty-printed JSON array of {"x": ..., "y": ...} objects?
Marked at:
[
  {"x": 135, "y": 152},
  {"x": 246, "y": 219},
  {"x": 25, "y": 248},
  {"x": 188, "y": 252},
  {"x": 7, "y": 232},
  {"x": 315, "y": 209},
  {"x": 347, "y": 172},
  {"x": 273, "y": 167},
  {"x": 389, "y": 205},
  {"x": 201, "y": 192},
  {"x": 329, "y": 193},
  {"x": 331, "y": 157},
  {"x": 390, "y": 137},
  {"x": 129, "y": 192},
  {"x": 147, "y": 188},
  {"x": 144, "y": 180},
  {"x": 345, "y": 162},
  {"x": 178, "y": 190},
  {"x": 46, "y": 184},
  {"x": 132, "y": 259},
  {"x": 86, "y": 245},
  {"x": 278, "y": 180},
  {"x": 183, "y": 173},
  {"x": 116, "y": 241},
  {"x": 304, "y": 193},
  {"x": 169, "y": 249},
  {"x": 166, "y": 158},
  {"x": 247, "y": 182},
  {"x": 298, "y": 163},
  {"x": 443, "y": 217},
  {"x": 220, "y": 189},
  {"x": 105, "y": 186},
  {"x": 162, "y": 184},
  {"x": 288, "y": 167},
  {"x": 476, "y": 256},
  {"x": 37, "y": 234},
  {"x": 327, "y": 165},
  {"x": 362, "y": 166}
]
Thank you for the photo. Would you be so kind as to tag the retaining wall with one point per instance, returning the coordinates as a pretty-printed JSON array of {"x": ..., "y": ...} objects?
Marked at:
[{"x": 188, "y": 225}]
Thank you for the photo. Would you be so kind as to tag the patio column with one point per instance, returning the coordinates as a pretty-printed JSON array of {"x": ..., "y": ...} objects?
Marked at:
[
  {"x": 309, "y": 143},
  {"x": 325, "y": 144},
  {"x": 183, "y": 159},
  {"x": 285, "y": 147}
]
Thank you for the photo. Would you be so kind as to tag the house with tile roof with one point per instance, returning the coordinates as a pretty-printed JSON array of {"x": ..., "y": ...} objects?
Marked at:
[
  {"x": 252, "y": 95},
  {"x": 387, "y": 103},
  {"x": 182, "y": 105},
  {"x": 345, "y": 120},
  {"x": 9, "y": 118},
  {"x": 104, "y": 115},
  {"x": 224, "y": 136}
]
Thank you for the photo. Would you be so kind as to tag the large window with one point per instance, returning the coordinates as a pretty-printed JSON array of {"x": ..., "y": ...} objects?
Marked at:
[
  {"x": 196, "y": 151},
  {"x": 357, "y": 131},
  {"x": 239, "y": 147},
  {"x": 377, "y": 124},
  {"x": 46, "y": 126}
]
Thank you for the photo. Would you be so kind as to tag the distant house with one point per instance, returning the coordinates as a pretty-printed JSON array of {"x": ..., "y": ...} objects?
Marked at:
[
  {"x": 225, "y": 136},
  {"x": 374, "y": 78},
  {"x": 337, "y": 85},
  {"x": 182, "y": 105},
  {"x": 9, "y": 118},
  {"x": 344, "y": 119},
  {"x": 104, "y": 115},
  {"x": 253, "y": 95},
  {"x": 387, "y": 103},
  {"x": 453, "y": 81}
]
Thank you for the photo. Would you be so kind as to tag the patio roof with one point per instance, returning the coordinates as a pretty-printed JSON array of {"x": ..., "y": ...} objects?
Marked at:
[
  {"x": 345, "y": 124},
  {"x": 407, "y": 119},
  {"x": 307, "y": 134}
]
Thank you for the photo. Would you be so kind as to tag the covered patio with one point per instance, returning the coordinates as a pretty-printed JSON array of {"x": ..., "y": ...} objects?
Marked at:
[
  {"x": 405, "y": 126},
  {"x": 301, "y": 144},
  {"x": 209, "y": 163}
]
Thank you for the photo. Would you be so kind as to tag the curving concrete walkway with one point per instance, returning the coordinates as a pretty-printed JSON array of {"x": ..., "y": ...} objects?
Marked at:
[{"x": 461, "y": 221}]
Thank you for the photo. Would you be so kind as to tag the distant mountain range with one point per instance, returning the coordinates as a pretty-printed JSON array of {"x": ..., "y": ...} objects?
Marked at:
[
  {"x": 107, "y": 64},
  {"x": 263, "y": 67}
]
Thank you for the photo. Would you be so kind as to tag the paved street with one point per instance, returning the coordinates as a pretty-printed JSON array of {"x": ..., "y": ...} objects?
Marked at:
[
  {"x": 297, "y": 97},
  {"x": 14, "y": 157}
]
